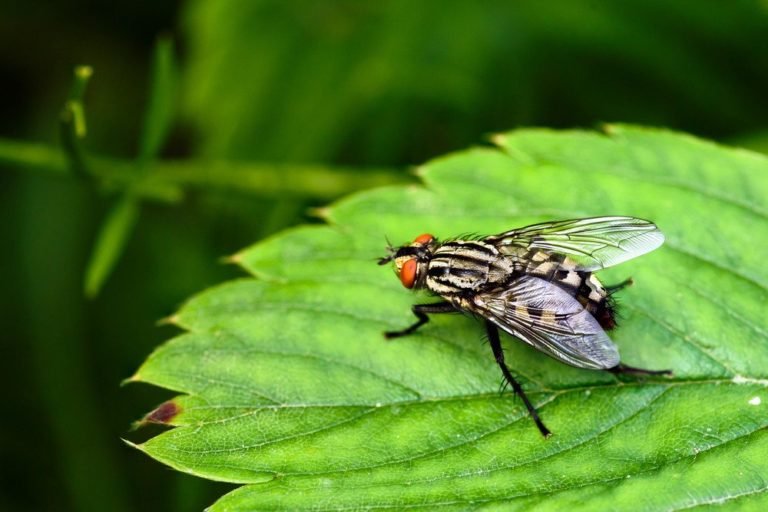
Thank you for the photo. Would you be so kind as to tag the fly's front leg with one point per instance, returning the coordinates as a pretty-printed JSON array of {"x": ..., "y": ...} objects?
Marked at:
[
  {"x": 421, "y": 311},
  {"x": 498, "y": 352}
]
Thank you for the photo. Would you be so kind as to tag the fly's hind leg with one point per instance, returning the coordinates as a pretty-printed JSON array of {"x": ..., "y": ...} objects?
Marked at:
[
  {"x": 498, "y": 352},
  {"x": 421, "y": 311},
  {"x": 631, "y": 370}
]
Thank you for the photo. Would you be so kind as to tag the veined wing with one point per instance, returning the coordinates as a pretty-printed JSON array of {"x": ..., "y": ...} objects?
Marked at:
[
  {"x": 549, "y": 319},
  {"x": 593, "y": 243}
]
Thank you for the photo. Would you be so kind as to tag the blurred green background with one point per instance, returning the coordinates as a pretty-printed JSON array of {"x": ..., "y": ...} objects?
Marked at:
[{"x": 354, "y": 93}]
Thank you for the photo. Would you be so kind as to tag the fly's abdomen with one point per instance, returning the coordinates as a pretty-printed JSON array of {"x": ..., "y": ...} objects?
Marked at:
[
  {"x": 590, "y": 292},
  {"x": 582, "y": 285}
]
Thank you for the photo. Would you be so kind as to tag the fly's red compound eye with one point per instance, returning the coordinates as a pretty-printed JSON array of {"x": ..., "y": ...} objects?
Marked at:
[
  {"x": 424, "y": 239},
  {"x": 408, "y": 272}
]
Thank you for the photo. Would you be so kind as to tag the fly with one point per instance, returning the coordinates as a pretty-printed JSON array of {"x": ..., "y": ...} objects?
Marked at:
[{"x": 536, "y": 283}]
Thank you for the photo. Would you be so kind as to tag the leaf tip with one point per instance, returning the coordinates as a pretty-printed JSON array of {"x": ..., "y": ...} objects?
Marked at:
[
  {"x": 132, "y": 444},
  {"x": 610, "y": 129},
  {"x": 419, "y": 171},
  {"x": 498, "y": 138},
  {"x": 321, "y": 212},
  {"x": 232, "y": 259},
  {"x": 133, "y": 378},
  {"x": 173, "y": 319}
]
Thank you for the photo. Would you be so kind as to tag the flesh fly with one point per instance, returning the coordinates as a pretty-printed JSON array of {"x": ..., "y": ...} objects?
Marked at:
[{"x": 536, "y": 283}]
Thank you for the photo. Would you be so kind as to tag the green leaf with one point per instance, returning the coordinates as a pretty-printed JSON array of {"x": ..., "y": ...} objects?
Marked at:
[
  {"x": 110, "y": 241},
  {"x": 288, "y": 385},
  {"x": 160, "y": 107}
]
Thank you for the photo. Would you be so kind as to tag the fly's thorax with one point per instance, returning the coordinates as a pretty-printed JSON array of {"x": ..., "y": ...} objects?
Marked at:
[{"x": 465, "y": 266}]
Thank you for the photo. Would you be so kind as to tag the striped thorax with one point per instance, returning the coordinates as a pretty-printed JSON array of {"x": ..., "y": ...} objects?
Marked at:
[{"x": 462, "y": 266}]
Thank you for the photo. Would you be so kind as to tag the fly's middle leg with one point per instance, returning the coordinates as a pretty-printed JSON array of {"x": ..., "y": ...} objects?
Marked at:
[
  {"x": 498, "y": 352},
  {"x": 421, "y": 311}
]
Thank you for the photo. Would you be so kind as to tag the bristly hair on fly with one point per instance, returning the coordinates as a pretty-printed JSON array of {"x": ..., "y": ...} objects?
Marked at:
[{"x": 536, "y": 283}]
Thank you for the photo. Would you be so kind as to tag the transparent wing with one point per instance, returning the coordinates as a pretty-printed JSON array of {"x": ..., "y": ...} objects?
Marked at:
[
  {"x": 549, "y": 319},
  {"x": 593, "y": 243}
]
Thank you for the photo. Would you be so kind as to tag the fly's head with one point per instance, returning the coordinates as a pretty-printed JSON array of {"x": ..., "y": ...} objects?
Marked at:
[{"x": 411, "y": 260}]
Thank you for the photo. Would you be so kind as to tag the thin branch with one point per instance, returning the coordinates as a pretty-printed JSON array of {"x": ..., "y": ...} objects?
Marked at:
[{"x": 167, "y": 180}]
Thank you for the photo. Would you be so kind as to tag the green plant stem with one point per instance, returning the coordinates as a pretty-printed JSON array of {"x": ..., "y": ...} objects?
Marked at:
[
  {"x": 166, "y": 180},
  {"x": 72, "y": 122}
]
